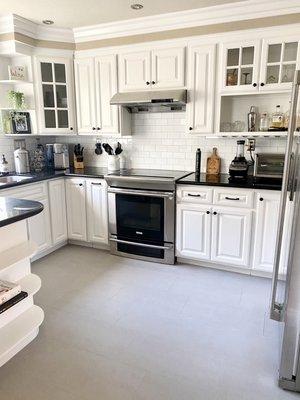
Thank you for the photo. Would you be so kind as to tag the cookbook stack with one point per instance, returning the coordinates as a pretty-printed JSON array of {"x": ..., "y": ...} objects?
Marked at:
[{"x": 10, "y": 294}]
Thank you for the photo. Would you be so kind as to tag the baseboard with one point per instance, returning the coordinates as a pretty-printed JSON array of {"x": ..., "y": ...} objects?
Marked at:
[
  {"x": 240, "y": 270},
  {"x": 48, "y": 251},
  {"x": 100, "y": 246}
]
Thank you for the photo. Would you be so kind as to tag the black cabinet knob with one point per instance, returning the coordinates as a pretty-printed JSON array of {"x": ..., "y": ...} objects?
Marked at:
[
  {"x": 153, "y": 82},
  {"x": 93, "y": 128},
  {"x": 262, "y": 84},
  {"x": 98, "y": 129},
  {"x": 190, "y": 128},
  {"x": 254, "y": 84},
  {"x": 80, "y": 184},
  {"x": 215, "y": 213},
  {"x": 207, "y": 212},
  {"x": 71, "y": 128},
  {"x": 147, "y": 83},
  {"x": 261, "y": 199}
]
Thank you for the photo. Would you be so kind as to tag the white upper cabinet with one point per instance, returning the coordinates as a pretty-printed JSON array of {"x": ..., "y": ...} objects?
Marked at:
[
  {"x": 54, "y": 84},
  {"x": 85, "y": 94},
  {"x": 152, "y": 69},
  {"x": 201, "y": 78},
  {"x": 280, "y": 59},
  {"x": 134, "y": 71},
  {"x": 168, "y": 67},
  {"x": 240, "y": 66},
  {"x": 106, "y": 87}
]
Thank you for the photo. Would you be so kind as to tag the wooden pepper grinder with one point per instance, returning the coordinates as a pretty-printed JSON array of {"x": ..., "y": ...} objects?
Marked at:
[{"x": 213, "y": 165}]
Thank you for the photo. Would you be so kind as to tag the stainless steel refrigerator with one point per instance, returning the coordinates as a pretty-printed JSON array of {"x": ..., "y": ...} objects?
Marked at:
[{"x": 285, "y": 296}]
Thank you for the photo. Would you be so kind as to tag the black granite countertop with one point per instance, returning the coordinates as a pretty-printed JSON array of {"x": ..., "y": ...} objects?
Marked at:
[
  {"x": 87, "y": 172},
  {"x": 223, "y": 180},
  {"x": 13, "y": 210}
]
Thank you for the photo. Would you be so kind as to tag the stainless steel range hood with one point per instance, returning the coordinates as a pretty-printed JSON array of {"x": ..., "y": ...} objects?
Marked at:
[{"x": 152, "y": 101}]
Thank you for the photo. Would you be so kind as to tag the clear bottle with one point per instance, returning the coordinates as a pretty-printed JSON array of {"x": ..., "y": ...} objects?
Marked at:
[
  {"x": 277, "y": 120},
  {"x": 264, "y": 122}
]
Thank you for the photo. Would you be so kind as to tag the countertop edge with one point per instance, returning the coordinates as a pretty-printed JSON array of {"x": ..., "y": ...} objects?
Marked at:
[{"x": 30, "y": 212}]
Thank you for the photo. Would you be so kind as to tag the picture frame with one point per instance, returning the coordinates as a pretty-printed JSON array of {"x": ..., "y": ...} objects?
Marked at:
[
  {"x": 21, "y": 122},
  {"x": 16, "y": 73}
]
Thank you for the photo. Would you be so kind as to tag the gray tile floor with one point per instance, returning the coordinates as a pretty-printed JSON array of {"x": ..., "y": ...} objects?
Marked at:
[{"x": 123, "y": 329}]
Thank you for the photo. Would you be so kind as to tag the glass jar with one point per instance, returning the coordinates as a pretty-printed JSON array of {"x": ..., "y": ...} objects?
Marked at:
[{"x": 264, "y": 122}]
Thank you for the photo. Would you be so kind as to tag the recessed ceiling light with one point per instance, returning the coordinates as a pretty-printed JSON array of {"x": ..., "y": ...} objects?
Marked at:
[
  {"x": 136, "y": 6},
  {"x": 47, "y": 22}
]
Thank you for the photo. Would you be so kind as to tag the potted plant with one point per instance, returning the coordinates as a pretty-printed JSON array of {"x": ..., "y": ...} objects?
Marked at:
[{"x": 16, "y": 100}]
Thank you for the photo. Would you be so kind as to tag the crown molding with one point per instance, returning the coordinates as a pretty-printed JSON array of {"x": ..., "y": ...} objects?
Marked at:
[
  {"x": 16, "y": 23},
  {"x": 243, "y": 10}
]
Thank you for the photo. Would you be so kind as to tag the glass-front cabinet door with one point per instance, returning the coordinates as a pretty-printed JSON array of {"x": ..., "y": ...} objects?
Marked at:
[
  {"x": 240, "y": 66},
  {"x": 56, "y": 95},
  {"x": 280, "y": 58}
]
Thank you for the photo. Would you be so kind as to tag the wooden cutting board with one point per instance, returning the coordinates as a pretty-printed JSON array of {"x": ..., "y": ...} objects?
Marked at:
[{"x": 213, "y": 165}]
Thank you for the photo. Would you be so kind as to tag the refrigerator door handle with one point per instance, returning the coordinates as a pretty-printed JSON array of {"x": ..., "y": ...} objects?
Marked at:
[{"x": 276, "y": 308}]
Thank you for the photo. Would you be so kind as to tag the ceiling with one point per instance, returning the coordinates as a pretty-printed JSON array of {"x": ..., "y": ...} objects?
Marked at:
[{"x": 77, "y": 13}]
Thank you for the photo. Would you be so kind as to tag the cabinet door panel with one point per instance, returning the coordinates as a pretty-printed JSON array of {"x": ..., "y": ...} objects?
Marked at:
[
  {"x": 97, "y": 211},
  {"x": 201, "y": 85},
  {"x": 240, "y": 66},
  {"x": 134, "y": 71},
  {"x": 58, "y": 215},
  {"x": 106, "y": 87},
  {"x": 76, "y": 209},
  {"x": 168, "y": 68},
  {"x": 39, "y": 227},
  {"x": 85, "y": 95},
  {"x": 231, "y": 236},
  {"x": 267, "y": 212},
  {"x": 193, "y": 231}
]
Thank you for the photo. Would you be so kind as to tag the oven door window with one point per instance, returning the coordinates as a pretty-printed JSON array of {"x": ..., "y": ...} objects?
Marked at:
[{"x": 140, "y": 218}]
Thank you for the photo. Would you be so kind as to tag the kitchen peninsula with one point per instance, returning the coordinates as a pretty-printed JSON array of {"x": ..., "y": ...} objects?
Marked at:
[{"x": 19, "y": 324}]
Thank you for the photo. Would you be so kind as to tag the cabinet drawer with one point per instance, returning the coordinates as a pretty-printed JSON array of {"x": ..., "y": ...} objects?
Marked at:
[
  {"x": 233, "y": 197},
  {"x": 194, "y": 194},
  {"x": 28, "y": 191}
]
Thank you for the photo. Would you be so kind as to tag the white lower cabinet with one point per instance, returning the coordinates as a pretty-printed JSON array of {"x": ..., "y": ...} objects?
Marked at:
[
  {"x": 96, "y": 205},
  {"x": 39, "y": 229},
  {"x": 76, "y": 208},
  {"x": 58, "y": 213},
  {"x": 193, "y": 231},
  {"x": 231, "y": 236}
]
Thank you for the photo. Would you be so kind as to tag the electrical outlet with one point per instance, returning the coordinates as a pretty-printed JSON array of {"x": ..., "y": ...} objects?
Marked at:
[{"x": 250, "y": 144}]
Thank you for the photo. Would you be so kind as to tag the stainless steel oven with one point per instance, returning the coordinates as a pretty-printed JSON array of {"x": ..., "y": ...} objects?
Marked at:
[{"x": 141, "y": 213}]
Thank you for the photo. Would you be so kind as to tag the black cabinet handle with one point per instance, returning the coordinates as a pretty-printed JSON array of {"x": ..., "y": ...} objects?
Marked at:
[
  {"x": 262, "y": 84},
  {"x": 254, "y": 84},
  {"x": 190, "y": 128},
  {"x": 147, "y": 83},
  {"x": 194, "y": 195},
  {"x": 97, "y": 183},
  {"x": 153, "y": 82},
  {"x": 232, "y": 198},
  {"x": 261, "y": 199},
  {"x": 215, "y": 213},
  {"x": 207, "y": 212}
]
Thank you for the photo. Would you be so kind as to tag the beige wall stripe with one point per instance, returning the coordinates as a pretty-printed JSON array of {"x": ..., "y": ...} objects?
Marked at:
[{"x": 43, "y": 43}]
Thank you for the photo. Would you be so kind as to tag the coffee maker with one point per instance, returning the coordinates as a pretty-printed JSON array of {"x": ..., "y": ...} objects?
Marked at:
[
  {"x": 238, "y": 168},
  {"x": 61, "y": 156}
]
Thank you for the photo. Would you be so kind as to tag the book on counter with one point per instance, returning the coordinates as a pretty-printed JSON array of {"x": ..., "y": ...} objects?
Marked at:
[
  {"x": 8, "y": 290},
  {"x": 10, "y": 303}
]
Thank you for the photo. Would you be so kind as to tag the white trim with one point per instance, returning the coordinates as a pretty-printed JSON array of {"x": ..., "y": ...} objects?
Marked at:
[{"x": 243, "y": 10}]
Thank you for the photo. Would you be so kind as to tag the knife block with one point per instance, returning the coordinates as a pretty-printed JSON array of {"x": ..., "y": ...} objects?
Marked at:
[{"x": 78, "y": 162}]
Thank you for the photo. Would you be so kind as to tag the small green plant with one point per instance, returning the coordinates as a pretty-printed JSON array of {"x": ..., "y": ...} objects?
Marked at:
[{"x": 16, "y": 100}]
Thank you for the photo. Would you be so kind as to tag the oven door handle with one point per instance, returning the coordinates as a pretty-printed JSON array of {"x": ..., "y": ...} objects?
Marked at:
[
  {"x": 152, "y": 246},
  {"x": 168, "y": 195}
]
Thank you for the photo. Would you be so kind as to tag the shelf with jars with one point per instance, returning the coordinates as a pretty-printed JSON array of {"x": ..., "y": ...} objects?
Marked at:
[{"x": 245, "y": 115}]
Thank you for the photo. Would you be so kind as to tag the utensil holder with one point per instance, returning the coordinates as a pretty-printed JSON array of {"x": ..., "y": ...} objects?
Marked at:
[
  {"x": 113, "y": 163},
  {"x": 78, "y": 162}
]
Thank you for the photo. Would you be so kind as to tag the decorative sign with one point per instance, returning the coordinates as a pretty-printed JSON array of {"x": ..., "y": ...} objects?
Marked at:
[{"x": 16, "y": 73}]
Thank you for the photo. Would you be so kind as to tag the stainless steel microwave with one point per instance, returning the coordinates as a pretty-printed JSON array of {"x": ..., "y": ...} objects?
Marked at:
[{"x": 269, "y": 165}]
